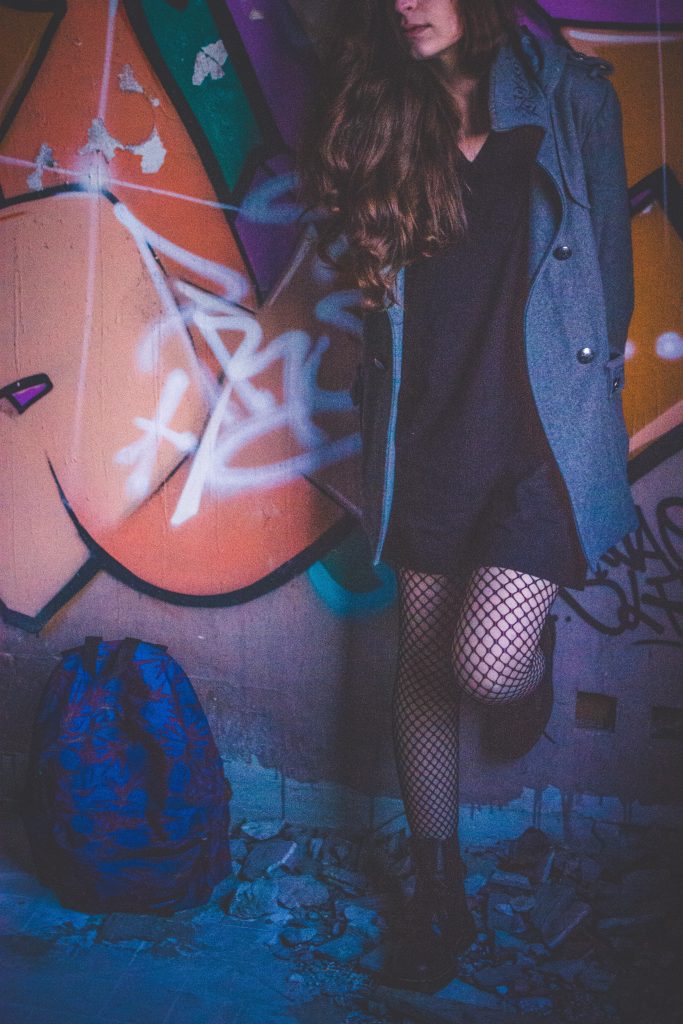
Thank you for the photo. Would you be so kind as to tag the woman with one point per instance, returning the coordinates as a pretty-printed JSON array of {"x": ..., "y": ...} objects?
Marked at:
[{"x": 477, "y": 174}]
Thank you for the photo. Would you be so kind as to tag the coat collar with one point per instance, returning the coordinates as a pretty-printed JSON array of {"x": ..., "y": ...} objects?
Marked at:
[{"x": 517, "y": 98}]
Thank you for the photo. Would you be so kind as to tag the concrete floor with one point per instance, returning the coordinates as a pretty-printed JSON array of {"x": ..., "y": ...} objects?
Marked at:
[
  {"x": 611, "y": 960},
  {"x": 199, "y": 967}
]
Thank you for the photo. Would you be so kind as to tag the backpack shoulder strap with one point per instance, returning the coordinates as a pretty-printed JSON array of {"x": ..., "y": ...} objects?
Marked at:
[
  {"x": 121, "y": 654},
  {"x": 124, "y": 651},
  {"x": 89, "y": 651}
]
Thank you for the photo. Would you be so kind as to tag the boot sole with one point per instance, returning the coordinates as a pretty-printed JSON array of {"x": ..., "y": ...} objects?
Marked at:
[{"x": 435, "y": 982}]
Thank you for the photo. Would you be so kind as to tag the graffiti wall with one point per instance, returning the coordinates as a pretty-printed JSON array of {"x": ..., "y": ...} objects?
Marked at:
[
  {"x": 630, "y": 614},
  {"x": 170, "y": 299},
  {"x": 178, "y": 447}
]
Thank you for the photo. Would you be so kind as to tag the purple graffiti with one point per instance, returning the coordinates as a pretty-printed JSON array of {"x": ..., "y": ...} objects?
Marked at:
[
  {"x": 24, "y": 393},
  {"x": 282, "y": 59},
  {"x": 284, "y": 65},
  {"x": 624, "y": 12}
]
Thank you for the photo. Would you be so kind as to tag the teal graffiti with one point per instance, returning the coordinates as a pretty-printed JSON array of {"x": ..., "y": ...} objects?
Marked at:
[
  {"x": 187, "y": 40},
  {"x": 349, "y": 583}
]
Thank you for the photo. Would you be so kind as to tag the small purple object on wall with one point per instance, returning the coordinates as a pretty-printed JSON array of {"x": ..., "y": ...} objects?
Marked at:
[{"x": 624, "y": 12}]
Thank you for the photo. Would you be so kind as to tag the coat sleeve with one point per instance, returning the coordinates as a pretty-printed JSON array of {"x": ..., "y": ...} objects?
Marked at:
[{"x": 605, "y": 170}]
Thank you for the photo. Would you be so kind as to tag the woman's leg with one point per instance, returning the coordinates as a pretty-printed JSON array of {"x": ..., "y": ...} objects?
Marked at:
[
  {"x": 483, "y": 641},
  {"x": 490, "y": 628},
  {"x": 496, "y": 653},
  {"x": 426, "y": 703},
  {"x": 426, "y": 720}
]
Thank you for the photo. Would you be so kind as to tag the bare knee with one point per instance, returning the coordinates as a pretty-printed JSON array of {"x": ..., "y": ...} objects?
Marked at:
[{"x": 485, "y": 676}]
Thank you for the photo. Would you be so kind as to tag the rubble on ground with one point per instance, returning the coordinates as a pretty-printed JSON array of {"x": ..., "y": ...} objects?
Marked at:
[{"x": 582, "y": 932}]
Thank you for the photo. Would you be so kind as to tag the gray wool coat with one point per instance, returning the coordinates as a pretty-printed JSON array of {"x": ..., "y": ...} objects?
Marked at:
[{"x": 580, "y": 297}]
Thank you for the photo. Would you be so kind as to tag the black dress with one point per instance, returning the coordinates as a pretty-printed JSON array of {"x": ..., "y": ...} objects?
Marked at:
[{"x": 476, "y": 483}]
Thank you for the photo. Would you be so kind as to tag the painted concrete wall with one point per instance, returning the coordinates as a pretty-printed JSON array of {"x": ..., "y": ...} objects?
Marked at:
[{"x": 178, "y": 451}]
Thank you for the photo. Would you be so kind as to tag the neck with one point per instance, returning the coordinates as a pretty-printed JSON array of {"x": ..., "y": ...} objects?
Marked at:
[{"x": 468, "y": 91}]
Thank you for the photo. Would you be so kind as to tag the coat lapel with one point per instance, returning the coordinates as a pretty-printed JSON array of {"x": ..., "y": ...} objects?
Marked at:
[{"x": 517, "y": 99}]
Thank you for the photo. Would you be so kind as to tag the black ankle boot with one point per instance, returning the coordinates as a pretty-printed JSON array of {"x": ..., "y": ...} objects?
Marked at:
[
  {"x": 512, "y": 730},
  {"x": 437, "y": 925}
]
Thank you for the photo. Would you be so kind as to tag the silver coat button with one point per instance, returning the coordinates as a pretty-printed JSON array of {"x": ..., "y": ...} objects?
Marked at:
[
  {"x": 562, "y": 252},
  {"x": 585, "y": 354}
]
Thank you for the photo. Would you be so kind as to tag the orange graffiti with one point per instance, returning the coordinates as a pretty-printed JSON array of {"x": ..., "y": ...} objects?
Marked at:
[
  {"x": 137, "y": 303},
  {"x": 648, "y": 81}
]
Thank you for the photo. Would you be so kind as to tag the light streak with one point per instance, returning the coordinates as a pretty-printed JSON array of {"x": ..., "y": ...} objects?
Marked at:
[
  {"x": 107, "y": 179},
  {"x": 106, "y": 64}
]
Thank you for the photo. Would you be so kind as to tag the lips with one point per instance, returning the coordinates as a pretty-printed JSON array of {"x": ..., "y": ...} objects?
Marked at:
[{"x": 414, "y": 30}]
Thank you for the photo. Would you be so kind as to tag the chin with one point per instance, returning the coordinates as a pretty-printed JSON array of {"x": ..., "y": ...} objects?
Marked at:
[
  {"x": 429, "y": 52},
  {"x": 425, "y": 52}
]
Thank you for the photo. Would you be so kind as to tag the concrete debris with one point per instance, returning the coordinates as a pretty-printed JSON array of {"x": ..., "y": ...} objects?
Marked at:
[
  {"x": 343, "y": 851},
  {"x": 349, "y": 881},
  {"x": 335, "y": 851},
  {"x": 531, "y": 855},
  {"x": 559, "y": 925},
  {"x": 296, "y": 891},
  {"x": 365, "y": 921},
  {"x": 315, "y": 847},
  {"x": 507, "y": 941},
  {"x": 295, "y": 934},
  {"x": 222, "y": 893},
  {"x": 375, "y": 960},
  {"x": 585, "y": 930},
  {"x": 349, "y": 946},
  {"x": 555, "y": 923},
  {"x": 462, "y": 992},
  {"x": 380, "y": 902},
  {"x": 510, "y": 880},
  {"x": 567, "y": 970},
  {"x": 337, "y": 979},
  {"x": 480, "y": 863},
  {"x": 557, "y": 912},
  {"x": 529, "y": 851},
  {"x": 541, "y": 872},
  {"x": 359, "y": 915},
  {"x": 280, "y": 916},
  {"x": 523, "y": 904},
  {"x": 266, "y": 829},
  {"x": 474, "y": 884},
  {"x": 238, "y": 850},
  {"x": 255, "y": 899},
  {"x": 267, "y": 857},
  {"x": 501, "y": 916},
  {"x": 497, "y": 979}
]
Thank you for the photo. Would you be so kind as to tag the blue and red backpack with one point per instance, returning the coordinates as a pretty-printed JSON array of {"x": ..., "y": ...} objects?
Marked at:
[{"x": 127, "y": 805}]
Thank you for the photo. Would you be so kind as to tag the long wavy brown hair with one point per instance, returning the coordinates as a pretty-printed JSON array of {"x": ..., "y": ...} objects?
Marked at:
[{"x": 379, "y": 162}]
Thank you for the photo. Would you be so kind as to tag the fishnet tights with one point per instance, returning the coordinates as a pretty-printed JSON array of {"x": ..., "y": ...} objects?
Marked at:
[{"x": 479, "y": 637}]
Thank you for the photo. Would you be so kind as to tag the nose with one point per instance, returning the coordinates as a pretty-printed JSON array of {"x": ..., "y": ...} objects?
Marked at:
[{"x": 400, "y": 6}]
